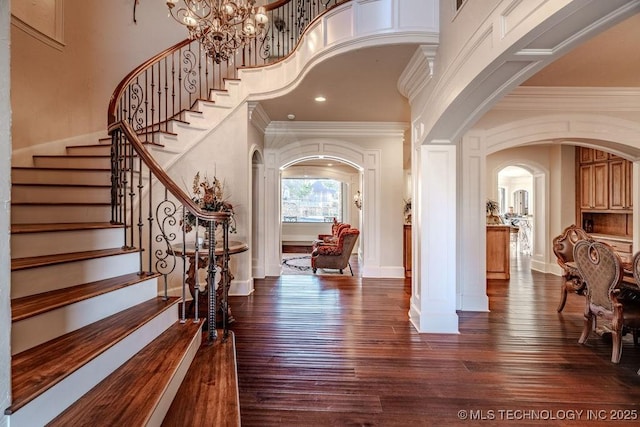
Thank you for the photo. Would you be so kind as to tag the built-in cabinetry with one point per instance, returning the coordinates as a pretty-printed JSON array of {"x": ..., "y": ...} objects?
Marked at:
[
  {"x": 604, "y": 198},
  {"x": 407, "y": 250},
  {"x": 498, "y": 239}
]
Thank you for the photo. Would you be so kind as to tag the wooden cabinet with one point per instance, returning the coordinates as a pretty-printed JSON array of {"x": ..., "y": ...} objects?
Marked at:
[
  {"x": 594, "y": 186},
  {"x": 604, "y": 198},
  {"x": 622, "y": 246},
  {"x": 407, "y": 250},
  {"x": 588, "y": 155},
  {"x": 620, "y": 184},
  {"x": 498, "y": 264}
]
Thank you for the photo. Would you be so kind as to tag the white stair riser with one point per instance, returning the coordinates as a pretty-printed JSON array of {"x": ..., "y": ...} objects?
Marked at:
[
  {"x": 213, "y": 113},
  {"x": 73, "y": 162},
  {"x": 48, "y": 243},
  {"x": 39, "y": 214},
  {"x": 47, "y": 194},
  {"x": 36, "y": 280},
  {"x": 90, "y": 150},
  {"x": 161, "y": 409},
  {"x": 30, "y": 332},
  {"x": 162, "y": 138},
  {"x": 49, "y": 176},
  {"x": 59, "y": 397}
]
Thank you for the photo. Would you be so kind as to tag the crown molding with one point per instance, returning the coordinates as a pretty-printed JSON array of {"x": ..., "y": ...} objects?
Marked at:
[
  {"x": 258, "y": 117},
  {"x": 602, "y": 99},
  {"x": 337, "y": 129},
  {"x": 418, "y": 71}
]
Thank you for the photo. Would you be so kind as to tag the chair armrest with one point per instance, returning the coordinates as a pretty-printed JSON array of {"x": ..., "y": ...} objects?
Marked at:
[{"x": 327, "y": 250}]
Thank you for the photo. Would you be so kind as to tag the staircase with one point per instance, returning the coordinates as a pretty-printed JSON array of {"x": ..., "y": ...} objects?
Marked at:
[{"x": 82, "y": 313}]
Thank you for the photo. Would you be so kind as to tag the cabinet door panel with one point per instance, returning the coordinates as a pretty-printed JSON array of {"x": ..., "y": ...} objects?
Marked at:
[
  {"x": 617, "y": 184},
  {"x": 600, "y": 155},
  {"x": 586, "y": 187},
  {"x": 629, "y": 184},
  {"x": 600, "y": 186}
]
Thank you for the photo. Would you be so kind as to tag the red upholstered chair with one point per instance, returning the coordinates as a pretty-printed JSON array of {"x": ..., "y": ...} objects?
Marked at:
[
  {"x": 333, "y": 238},
  {"x": 334, "y": 231},
  {"x": 336, "y": 256}
]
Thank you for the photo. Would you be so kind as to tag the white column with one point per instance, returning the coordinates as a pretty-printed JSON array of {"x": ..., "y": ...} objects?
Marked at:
[
  {"x": 472, "y": 264},
  {"x": 273, "y": 232},
  {"x": 433, "y": 299},
  {"x": 539, "y": 249}
]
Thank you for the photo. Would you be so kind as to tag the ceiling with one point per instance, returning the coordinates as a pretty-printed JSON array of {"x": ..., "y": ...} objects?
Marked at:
[{"x": 362, "y": 85}]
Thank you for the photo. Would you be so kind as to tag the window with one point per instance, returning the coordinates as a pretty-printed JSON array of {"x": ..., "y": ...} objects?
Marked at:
[{"x": 311, "y": 200}]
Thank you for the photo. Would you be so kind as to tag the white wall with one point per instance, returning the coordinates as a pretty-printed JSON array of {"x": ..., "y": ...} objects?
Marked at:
[
  {"x": 5, "y": 197},
  {"x": 224, "y": 153},
  {"x": 102, "y": 44}
]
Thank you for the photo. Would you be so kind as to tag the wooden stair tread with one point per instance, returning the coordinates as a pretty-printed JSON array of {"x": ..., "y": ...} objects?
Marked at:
[
  {"x": 72, "y": 156},
  {"x": 61, "y": 226},
  {"x": 130, "y": 393},
  {"x": 40, "y": 168},
  {"x": 32, "y": 305},
  {"x": 211, "y": 386},
  {"x": 60, "y": 203},
  {"x": 35, "y": 184},
  {"x": 36, "y": 370},
  {"x": 43, "y": 260}
]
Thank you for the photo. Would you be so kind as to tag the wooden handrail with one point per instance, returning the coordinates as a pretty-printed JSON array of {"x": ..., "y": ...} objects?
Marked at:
[
  {"x": 115, "y": 96},
  {"x": 157, "y": 170}
]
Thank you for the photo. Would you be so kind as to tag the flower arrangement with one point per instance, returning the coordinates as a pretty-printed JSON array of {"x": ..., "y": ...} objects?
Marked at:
[
  {"x": 407, "y": 211},
  {"x": 209, "y": 196}
]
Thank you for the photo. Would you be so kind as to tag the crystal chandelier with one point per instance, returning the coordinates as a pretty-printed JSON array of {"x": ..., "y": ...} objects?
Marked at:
[{"x": 221, "y": 26}]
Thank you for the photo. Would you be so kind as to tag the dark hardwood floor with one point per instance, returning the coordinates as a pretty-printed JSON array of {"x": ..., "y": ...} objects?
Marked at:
[{"x": 340, "y": 351}]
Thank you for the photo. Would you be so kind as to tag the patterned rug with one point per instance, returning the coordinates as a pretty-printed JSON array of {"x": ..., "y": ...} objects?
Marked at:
[
  {"x": 301, "y": 264},
  {"x": 296, "y": 264}
]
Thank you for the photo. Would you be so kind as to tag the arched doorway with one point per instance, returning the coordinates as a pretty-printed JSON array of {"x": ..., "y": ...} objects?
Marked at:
[
  {"x": 314, "y": 193},
  {"x": 372, "y": 233},
  {"x": 516, "y": 204},
  {"x": 257, "y": 215}
]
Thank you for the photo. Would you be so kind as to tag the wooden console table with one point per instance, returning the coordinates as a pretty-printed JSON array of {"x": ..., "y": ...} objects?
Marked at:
[
  {"x": 498, "y": 264},
  {"x": 235, "y": 247}
]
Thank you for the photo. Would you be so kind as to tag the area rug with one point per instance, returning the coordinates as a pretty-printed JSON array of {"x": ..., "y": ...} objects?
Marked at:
[
  {"x": 301, "y": 264},
  {"x": 296, "y": 262}
]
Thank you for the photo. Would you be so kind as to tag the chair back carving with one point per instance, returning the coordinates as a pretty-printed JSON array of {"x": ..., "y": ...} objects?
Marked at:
[
  {"x": 563, "y": 244},
  {"x": 602, "y": 270},
  {"x": 635, "y": 267}
]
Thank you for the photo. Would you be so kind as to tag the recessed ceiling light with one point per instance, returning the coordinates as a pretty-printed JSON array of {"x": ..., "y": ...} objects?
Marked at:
[
  {"x": 329, "y": 164},
  {"x": 320, "y": 98}
]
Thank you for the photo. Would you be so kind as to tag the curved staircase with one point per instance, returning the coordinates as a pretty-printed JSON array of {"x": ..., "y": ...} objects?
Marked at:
[{"x": 82, "y": 313}]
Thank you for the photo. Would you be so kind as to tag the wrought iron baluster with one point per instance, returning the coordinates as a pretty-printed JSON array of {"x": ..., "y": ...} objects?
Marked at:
[
  {"x": 140, "y": 222},
  {"x": 226, "y": 278},
  {"x": 150, "y": 222},
  {"x": 211, "y": 277}
]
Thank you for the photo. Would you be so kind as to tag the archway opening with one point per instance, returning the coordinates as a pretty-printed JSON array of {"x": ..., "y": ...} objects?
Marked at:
[
  {"x": 516, "y": 205},
  {"x": 313, "y": 193}
]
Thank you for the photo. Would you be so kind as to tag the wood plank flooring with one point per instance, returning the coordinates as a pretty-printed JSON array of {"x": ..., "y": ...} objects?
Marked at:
[{"x": 340, "y": 351}]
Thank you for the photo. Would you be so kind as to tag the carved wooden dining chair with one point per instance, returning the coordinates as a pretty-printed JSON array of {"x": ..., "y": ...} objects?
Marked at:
[
  {"x": 563, "y": 249},
  {"x": 601, "y": 268}
]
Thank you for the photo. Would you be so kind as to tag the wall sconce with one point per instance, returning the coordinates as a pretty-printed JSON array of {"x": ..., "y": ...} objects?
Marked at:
[{"x": 357, "y": 199}]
